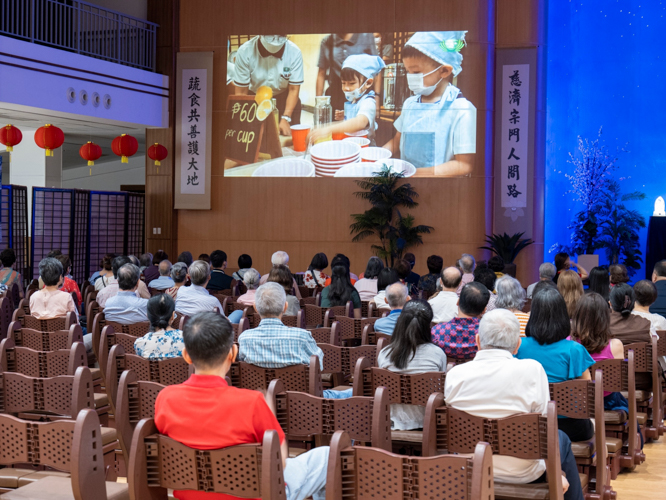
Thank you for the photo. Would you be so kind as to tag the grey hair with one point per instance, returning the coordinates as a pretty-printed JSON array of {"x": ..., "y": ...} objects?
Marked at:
[
  {"x": 199, "y": 272},
  {"x": 134, "y": 259},
  {"x": 467, "y": 263},
  {"x": 280, "y": 258},
  {"x": 396, "y": 295},
  {"x": 128, "y": 276},
  {"x": 251, "y": 278},
  {"x": 499, "y": 329},
  {"x": 179, "y": 272},
  {"x": 510, "y": 293},
  {"x": 164, "y": 268},
  {"x": 50, "y": 270},
  {"x": 547, "y": 270},
  {"x": 270, "y": 300}
]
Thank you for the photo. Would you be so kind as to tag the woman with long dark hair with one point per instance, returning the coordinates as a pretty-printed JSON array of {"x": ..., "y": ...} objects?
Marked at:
[
  {"x": 367, "y": 286},
  {"x": 600, "y": 282},
  {"x": 411, "y": 351},
  {"x": 627, "y": 327},
  {"x": 341, "y": 291},
  {"x": 562, "y": 359},
  {"x": 315, "y": 276}
]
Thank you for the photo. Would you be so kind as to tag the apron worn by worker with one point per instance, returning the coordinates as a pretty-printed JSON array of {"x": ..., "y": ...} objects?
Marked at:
[
  {"x": 351, "y": 111},
  {"x": 424, "y": 132}
]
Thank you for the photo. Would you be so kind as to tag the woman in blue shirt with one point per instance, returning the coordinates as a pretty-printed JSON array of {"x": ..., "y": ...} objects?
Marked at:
[{"x": 562, "y": 359}]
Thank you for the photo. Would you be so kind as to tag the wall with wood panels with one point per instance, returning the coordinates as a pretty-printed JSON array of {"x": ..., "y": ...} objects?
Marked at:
[{"x": 304, "y": 216}]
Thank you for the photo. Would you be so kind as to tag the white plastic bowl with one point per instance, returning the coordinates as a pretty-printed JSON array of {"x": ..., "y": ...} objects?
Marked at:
[
  {"x": 342, "y": 161},
  {"x": 357, "y": 170},
  {"x": 397, "y": 166},
  {"x": 364, "y": 142},
  {"x": 286, "y": 167},
  {"x": 335, "y": 150},
  {"x": 360, "y": 133},
  {"x": 375, "y": 154}
]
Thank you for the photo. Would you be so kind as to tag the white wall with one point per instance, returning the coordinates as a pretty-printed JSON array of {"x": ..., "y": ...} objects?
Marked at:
[
  {"x": 136, "y": 8},
  {"x": 106, "y": 176}
]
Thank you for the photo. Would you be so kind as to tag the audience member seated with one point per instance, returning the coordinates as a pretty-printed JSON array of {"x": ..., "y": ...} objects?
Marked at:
[
  {"x": 164, "y": 282},
  {"x": 7, "y": 274},
  {"x": 178, "y": 275},
  {"x": 562, "y": 359},
  {"x": 457, "y": 337},
  {"x": 219, "y": 280},
  {"x": 341, "y": 291},
  {"x": 428, "y": 282},
  {"x": 570, "y": 287},
  {"x": 51, "y": 302},
  {"x": 466, "y": 264},
  {"x": 134, "y": 260},
  {"x": 410, "y": 352},
  {"x": 487, "y": 278},
  {"x": 403, "y": 269},
  {"x": 108, "y": 257},
  {"x": 396, "y": 298},
  {"x": 563, "y": 263},
  {"x": 600, "y": 282},
  {"x": 162, "y": 340},
  {"x": 659, "y": 280},
  {"x": 546, "y": 273},
  {"x": 543, "y": 285},
  {"x": 315, "y": 276},
  {"x": 646, "y": 294},
  {"x": 186, "y": 258},
  {"x": 205, "y": 257},
  {"x": 274, "y": 345},
  {"x": 106, "y": 274},
  {"x": 344, "y": 260},
  {"x": 511, "y": 296},
  {"x": 244, "y": 265},
  {"x": 205, "y": 413},
  {"x": 497, "y": 385},
  {"x": 445, "y": 303},
  {"x": 627, "y": 327},
  {"x": 281, "y": 258},
  {"x": 145, "y": 261},
  {"x": 413, "y": 278},
  {"x": 125, "y": 307},
  {"x": 69, "y": 285},
  {"x": 152, "y": 272},
  {"x": 195, "y": 298},
  {"x": 251, "y": 279},
  {"x": 283, "y": 277},
  {"x": 618, "y": 274},
  {"x": 111, "y": 289},
  {"x": 367, "y": 286},
  {"x": 387, "y": 277},
  {"x": 496, "y": 264}
]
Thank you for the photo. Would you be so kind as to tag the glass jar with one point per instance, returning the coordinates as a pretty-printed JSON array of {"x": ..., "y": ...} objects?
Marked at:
[
  {"x": 276, "y": 113},
  {"x": 323, "y": 115}
]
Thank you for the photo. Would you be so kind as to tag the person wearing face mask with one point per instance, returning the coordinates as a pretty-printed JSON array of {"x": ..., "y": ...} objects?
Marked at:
[
  {"x": 436, "y": 130},
  {"x": 384, "y": 50},
  {"x": 357, "y": 77},
  {"x": 275, "y": 62}
]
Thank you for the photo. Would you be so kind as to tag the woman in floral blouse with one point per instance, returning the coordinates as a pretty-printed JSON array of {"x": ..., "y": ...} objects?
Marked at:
[
  {"x": 162, "y": 341},
  {"x": 314, "y": 275}
]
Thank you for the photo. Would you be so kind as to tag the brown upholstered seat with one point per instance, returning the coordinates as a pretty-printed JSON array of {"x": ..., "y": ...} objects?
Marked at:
[
  {"x": 613, "y": 444},
  {"x": 615, "y": 417},
  {"x": 60, "y": 488},
  {"x": 101, "y": 399},
  {"x": 583, "y": 448}
]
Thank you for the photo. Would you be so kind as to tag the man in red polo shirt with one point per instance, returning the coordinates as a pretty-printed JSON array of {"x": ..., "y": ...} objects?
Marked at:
[{"x": 205, "y": 413}]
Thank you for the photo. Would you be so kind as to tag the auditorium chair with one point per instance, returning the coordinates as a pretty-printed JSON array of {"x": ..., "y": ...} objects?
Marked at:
[
  {"x": 376, "y": 312},
  {"x": 661, "y": 360},
  {"x": 70, "y": 446},
  {"x": 649, "y": 401},
  {"x": 308, "y": 419},
  {"x": 295, "y": 321},
  {"x": 92, "y": 309},
  {"x": 34, "y": 363},
  {"x": 44, "y": 341},
  {"x": 316, "y": 316},
  {"x": 155, "y": 291},
  {"x": 370, "y": 337},
  {"x": 357, "y": 472},
  {"x": 527, "y": 307},
  {"x": 527, "y": 435},
  {"x": 619, "y": 376},
  {"x": 44, "y": 325},
  {"x": 134, "y": 329},
  {"x": 339, "y": 362},
  {"x": 403, "y": 389},
  {"x": 328, "y": 335},
  {"x": 228, "y": 304},
  {"x": 584, "y": 399},
  {"x": 168, "y": 371},
  {"x": 299, "y": 378},
  {"x": 158, "y": 463},
  {"x": 14, "y": 296},
  {"x": 6, "y": 311},
  {"x": 351, "y": 329}
]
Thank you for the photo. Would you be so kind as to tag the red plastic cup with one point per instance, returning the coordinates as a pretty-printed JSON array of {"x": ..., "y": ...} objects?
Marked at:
[
  {"x": 298, "y": 135},
  {"x": 339, "y": 136}
]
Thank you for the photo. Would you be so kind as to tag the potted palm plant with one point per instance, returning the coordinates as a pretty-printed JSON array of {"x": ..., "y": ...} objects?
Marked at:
[
  {"x": 397, "y": 231},
  {"x": 507, "y": 247}
]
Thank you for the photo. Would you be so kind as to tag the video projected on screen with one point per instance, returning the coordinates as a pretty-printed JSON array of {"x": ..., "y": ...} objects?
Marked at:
[{"x": 348, "y": 105}]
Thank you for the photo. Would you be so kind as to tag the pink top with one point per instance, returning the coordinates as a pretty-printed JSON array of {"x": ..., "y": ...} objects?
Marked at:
[
  {"x": 247, "y": 299},
  {"x": 45, "y": 304},
  {"x": 606, "y": 353}
]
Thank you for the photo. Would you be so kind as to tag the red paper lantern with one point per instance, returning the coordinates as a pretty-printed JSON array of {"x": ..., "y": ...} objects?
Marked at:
[
  {"x": 91, "y": 152},
  {"x": 10, "y": 136},
  {"x": 49, "y": 137},
  {"x": 157, "y": 152},
  {"x": 124, "y": 146}
]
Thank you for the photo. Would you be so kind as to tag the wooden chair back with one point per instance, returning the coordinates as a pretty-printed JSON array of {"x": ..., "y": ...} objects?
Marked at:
[
  {"x": 34, "y": 363},
  {"x": 298, "y": 378}
]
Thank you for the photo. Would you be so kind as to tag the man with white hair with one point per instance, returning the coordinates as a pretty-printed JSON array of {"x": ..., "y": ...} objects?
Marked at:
[
  {"x": 273, "y": 344},
  {"x": 396, "y": 297},
  {"x": 281, "y": 258},
  {"x": 195, "y": 298},
  {"x": 466, "y": 264},
  {"x": 547, "y": 272},
  {"x": 497, "y": 385},
  {"x": 164, "y": 281},
  {"x": 445, "y": 303}
]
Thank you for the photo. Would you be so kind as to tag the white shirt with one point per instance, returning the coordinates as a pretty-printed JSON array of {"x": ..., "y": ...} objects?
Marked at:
[
  {"x": 112, "y": 288},
  {"x": 380, "y": 300},
  {"x": 366, "y": 288},
  {"x": 194, "y": 298},
  {"x": 657, "y": 321},
  {"x": 444, "y": 306},
  {"x": 497, "y": 385},
  {"x": 253, "y": 70}
]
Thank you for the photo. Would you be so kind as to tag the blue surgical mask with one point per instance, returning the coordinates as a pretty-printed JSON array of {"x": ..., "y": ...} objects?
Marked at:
[
  {"x": 415, "y": 83},
  {"x": 354, "y": 95}
]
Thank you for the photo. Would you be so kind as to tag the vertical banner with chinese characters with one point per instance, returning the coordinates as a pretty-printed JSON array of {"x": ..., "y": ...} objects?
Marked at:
[
  {"x": 514, "y": 130},
  {"x": 194, "y": 98}
]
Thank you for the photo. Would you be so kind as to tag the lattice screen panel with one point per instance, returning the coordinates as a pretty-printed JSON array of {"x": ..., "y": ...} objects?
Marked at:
[
  {"x": 51, "y": 223},
  {"x": 135, "y": 223},
  {"x": 106, "y": 225},
  {"x": 79, "y": 253}
]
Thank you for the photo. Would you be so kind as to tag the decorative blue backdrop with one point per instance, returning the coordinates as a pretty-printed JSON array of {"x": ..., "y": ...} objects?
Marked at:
[{"x": 606, "y": 68}]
